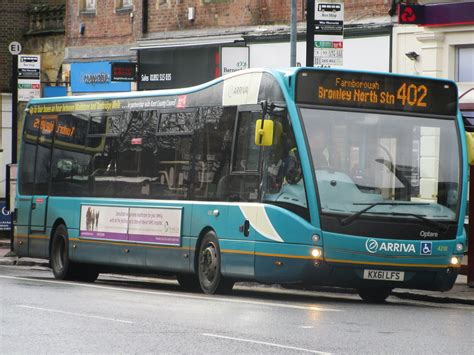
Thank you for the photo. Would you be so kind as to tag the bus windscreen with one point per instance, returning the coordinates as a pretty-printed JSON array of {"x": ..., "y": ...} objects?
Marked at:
[{"x": 376, "y": 92}]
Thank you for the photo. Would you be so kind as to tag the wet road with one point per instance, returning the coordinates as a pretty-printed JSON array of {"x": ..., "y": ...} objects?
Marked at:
[{"x": 120, "y": 314}]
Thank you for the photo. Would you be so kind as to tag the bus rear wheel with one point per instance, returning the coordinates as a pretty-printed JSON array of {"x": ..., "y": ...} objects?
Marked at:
[
  {"x": 189, "y": 282},
  {"x": 63, "y": 268},
  {"x": 374, "y": 295},
  {"x": 209, "y": 267}
]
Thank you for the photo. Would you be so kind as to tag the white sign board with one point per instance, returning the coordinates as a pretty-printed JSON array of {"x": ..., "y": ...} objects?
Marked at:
[
  {"x": 241, "y": 89},
  {"x": 29, "y": 62},
  {"x": 234, "y": 59},
  {"x": 29, "y": 77},
  {"x": 328, "y": 33},
  {"x": 28, "y": 89}
]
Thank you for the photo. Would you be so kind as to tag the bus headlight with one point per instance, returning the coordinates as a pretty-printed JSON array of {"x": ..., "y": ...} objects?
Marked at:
[
  {"x": 316, "y": 253},
  {"x": 459, "y": 247},
  {"x": 454, "y": 261}
]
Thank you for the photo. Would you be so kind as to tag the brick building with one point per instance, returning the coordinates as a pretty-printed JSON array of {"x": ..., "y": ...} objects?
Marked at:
[
  {"x": 186, "y": 42},
  {"x": 38, "y": 27},
  {"x": 15, "y": 26}
]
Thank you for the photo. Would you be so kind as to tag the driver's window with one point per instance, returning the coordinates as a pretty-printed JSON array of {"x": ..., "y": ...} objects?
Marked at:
[{"x": 282, "y": 175}]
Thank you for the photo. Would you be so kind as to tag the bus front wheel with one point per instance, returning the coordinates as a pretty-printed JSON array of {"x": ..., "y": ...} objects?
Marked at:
[
  {"x": 374, "y": 295},
  {"x": 209, "y": 267}
]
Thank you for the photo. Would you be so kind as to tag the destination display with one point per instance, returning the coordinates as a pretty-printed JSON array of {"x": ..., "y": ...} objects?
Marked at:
[{"x": 376, "y": 91}]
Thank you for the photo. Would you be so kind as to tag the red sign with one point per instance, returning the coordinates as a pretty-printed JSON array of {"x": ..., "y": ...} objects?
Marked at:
[
  {"x": 181, "y": 101},
  {"x": 137, "y": 141},
  {"x": 124, "y": 71},
  {"x": 407, "y": 15},
  {"x": 456, "y": 13}
]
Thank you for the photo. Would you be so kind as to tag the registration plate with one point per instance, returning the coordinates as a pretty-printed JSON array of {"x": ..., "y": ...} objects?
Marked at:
[{"x": 384, "y": 275}]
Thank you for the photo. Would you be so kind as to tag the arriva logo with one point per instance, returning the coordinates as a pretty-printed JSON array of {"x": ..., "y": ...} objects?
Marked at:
[{"x": 373, "y": 246}]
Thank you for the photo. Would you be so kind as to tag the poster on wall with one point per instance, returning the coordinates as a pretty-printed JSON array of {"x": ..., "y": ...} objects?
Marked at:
[
  {"x": 5, "y": 217},
  {"x": 147, "y": 225}
]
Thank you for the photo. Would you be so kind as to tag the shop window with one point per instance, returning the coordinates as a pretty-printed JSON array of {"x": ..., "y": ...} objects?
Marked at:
[{"x": 465, "y": 68}]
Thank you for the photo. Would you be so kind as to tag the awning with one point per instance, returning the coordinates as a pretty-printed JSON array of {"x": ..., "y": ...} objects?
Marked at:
[{"x": 188, "y": 42}]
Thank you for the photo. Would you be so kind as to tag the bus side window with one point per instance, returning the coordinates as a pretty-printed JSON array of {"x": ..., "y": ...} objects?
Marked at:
[
  {"x": 102, "y": 147},
  {"x": 243, "y": 184},
  {"x": 70, "y": 161},
  {"x": 212, "y": 151},
  {"x": 28, "y": 155},
  {"x": 172, "y": 163},
  {"x": 135, "y": 156},
  {"x": 43, "y": 153}
]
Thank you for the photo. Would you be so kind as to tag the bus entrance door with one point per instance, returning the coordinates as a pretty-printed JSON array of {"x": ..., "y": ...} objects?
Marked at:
[{"x": 38, "y": 239}]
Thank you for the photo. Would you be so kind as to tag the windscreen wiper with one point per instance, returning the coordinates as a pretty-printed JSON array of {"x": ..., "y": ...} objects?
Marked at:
[
  {"x": 441, "y": 227},
  {"x": 351, "y": 218}
]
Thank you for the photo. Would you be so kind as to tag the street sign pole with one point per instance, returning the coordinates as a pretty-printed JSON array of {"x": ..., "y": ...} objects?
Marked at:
[
  {"x": 310, "y": 33},
  {"x": 14, "y": 108}
]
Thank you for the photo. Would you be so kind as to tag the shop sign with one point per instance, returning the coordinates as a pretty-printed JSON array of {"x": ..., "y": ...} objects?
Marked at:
[
  {"x": 95, "y": 77},
  {"x": 456, "y": 13},
  {"x": 124, "y": 71},
  {"x": 234, "y": 59}
]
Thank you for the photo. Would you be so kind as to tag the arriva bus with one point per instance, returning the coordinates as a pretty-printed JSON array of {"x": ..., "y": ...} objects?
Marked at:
[{"x": 300, "y": 177}]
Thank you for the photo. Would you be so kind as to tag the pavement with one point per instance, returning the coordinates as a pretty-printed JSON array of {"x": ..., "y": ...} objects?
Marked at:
[{"x": 461, "y": 292}]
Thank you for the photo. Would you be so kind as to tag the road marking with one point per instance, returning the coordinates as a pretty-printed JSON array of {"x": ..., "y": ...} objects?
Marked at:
[
  {"x": 74, "y": 314},
  {"x": 170, "y": 294},
  {"x": 306, "y": 326},
  {"x": 265, "y": 343}
]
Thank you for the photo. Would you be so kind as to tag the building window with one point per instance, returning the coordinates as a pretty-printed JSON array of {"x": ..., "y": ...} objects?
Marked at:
[
  {"x": 465, "y": 67},
  {"x": 124, "y": 4},
  {"x": 87, "y": 6},
  {"x": 215, "y": 1}
]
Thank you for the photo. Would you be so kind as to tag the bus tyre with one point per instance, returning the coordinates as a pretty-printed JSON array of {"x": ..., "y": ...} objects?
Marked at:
[
  {"x": 59, "y": 258},
  {"x": 209, "y": 267},
  {"x": 85, "y": 272},
  {"x": 63, "y": 267},
  {"x": 374, "y": 295},
  {"x": 189, "y": 282}
]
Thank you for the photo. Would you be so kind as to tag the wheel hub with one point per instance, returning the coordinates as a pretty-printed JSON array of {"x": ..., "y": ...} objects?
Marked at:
[{"x": 209, "y": 262}]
